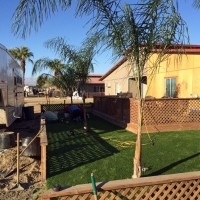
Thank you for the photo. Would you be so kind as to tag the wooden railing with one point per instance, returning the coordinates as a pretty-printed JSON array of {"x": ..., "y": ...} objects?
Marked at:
[{"x": 175, "y": 186}]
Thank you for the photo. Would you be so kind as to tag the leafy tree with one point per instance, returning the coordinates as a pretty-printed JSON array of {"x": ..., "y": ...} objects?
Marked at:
[
  {"x": 79, "y": 59},
  {"x": 22, "y": 54}
]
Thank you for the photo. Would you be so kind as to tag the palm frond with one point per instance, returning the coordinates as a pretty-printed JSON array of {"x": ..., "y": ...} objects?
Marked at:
[{"x": 30, "y": 15}]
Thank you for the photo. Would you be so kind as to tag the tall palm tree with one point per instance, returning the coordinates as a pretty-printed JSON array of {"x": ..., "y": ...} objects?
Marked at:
[{"x": 22, "y": 54}]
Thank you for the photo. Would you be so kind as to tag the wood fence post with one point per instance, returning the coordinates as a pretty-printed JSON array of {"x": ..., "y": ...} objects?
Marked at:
[
  {"x": 43, "y": 144},
  {"x": 43, "y": 164}
]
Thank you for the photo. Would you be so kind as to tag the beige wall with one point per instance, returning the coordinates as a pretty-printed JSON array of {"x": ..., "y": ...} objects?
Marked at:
[
  {"x": 186, "y": 70},
  {"x": 118, "y": 78}
]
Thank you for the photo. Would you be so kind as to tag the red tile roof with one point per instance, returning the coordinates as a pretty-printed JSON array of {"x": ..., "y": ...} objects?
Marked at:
[{"x": 95, "y": 79}]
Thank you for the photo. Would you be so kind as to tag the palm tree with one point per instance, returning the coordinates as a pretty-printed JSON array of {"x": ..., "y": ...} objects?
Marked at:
[
  {"x": 139, "y": 32},
  {"x": 196, "y": 4},
  {"x": 80, "y": 59},
  {"x": 30, "y": 14},
  {"x": 22, "y": 54},
  {"x": 40, "y": 81},
  {"x": 47, "y": 64},
  {"x": 61, "y": 75}
]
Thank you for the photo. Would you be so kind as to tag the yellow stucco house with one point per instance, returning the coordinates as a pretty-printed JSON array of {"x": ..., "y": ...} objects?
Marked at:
[{"x": 178, "y": 76}]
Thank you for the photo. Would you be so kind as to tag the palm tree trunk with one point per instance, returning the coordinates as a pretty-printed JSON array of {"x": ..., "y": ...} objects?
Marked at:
[
  {"x": 138, "y": 148},
  {"x": 23, "y": 64},
  {"x": 71, "y": 99},
  {"x": 84, "y": 112},
  {"x": 71, "y": 94},
  {"x": 84, "y": 115}
]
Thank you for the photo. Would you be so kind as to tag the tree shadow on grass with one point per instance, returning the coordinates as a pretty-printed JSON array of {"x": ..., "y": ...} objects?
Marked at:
[
  {"x": 65, "y": 152},
  {"x": 167, "y": 168}
]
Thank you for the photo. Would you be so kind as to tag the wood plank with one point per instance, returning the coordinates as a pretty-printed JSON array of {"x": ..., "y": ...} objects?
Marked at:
[
  {"x": 43, "y": 164},
  {"x": 126, "y": 183},
  {"x": 43, "y": 134}
]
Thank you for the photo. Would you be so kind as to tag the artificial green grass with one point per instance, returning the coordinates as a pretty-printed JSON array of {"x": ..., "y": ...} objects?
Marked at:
[{"x": 108, "y": 150}]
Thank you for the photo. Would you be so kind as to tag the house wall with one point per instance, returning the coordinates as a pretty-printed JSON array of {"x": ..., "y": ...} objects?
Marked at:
[
  {"x": 186, "y": 70},
  {"x": 117, "y": 81}
]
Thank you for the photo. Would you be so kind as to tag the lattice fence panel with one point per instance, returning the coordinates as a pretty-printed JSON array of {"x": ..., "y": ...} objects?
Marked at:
[
  {"x": 180, "y": 190},
  {"x": 168, "y": 111},
  {"x": 134, "y": 111},
  {"x": 185, "y": 190},
  {"x": 156, "y": 111},
  {"x": 87, "y": 196},
  {"x": 60, "y": 107},
  {"x": 53, "y": 107}
]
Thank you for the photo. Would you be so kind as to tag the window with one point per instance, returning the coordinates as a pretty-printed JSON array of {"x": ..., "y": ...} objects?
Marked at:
[
  {"x": 19, "y": 80},
  {"x": 170, "y": 85},
  {"x": 1, "y": 98},
  {"x": 15, "y": 80},
  {"x": 95, "y": 89},
  {"x": 101, "y": 89}
]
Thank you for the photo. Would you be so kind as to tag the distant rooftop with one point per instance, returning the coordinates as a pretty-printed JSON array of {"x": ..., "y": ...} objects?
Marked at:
[{"x": 94, "y": 79}]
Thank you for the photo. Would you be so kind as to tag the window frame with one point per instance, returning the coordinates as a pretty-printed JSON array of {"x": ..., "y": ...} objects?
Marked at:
[{"x": 172, "y": 94}]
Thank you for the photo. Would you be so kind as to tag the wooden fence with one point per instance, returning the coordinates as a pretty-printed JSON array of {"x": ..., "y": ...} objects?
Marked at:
[
  {"x": 60, "y": 107},
  {"x": 158, "y": 114},
  {"x": 92, "y": 94},
  {"x": 175, "y": 186},
  {"x": 43, "y": 145},
  {"x": 88, "y": 94}
]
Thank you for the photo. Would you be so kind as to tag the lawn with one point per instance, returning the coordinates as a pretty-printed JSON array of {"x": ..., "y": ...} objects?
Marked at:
[{"x": 108, "y": 150}]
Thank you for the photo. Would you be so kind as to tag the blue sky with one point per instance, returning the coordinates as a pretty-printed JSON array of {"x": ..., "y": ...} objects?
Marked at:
[{"x": 73, "y": 29}]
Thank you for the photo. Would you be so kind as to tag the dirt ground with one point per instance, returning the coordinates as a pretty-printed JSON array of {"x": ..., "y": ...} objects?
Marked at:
[
  {"x": 29, "y": 167},
  {"x": 29, "y": 170}
]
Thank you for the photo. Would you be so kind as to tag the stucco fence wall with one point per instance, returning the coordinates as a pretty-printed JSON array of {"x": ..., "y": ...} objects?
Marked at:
[{"x": 158, "y": 115}]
